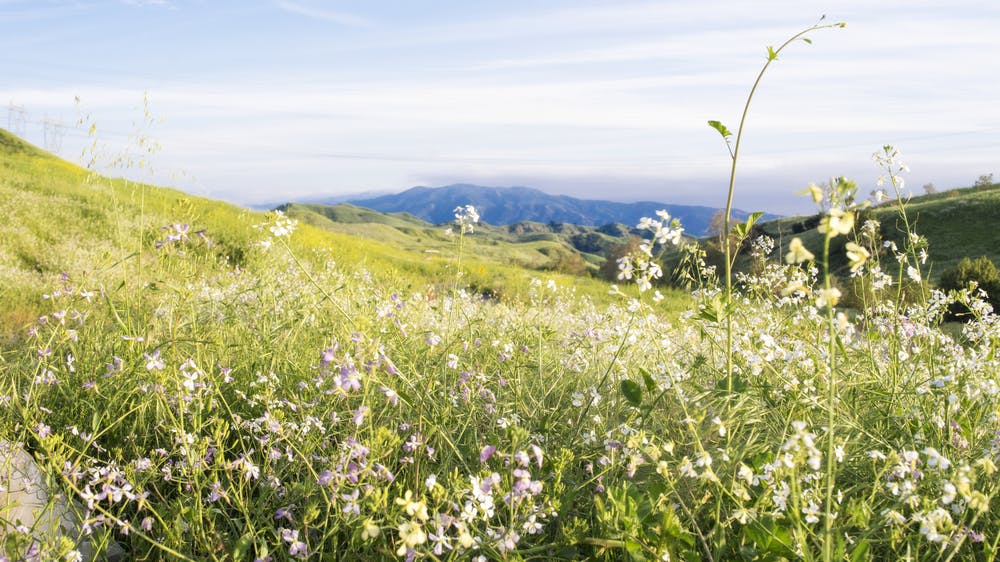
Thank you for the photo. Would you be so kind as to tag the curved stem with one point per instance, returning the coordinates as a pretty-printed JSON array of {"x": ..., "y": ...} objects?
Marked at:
[{"x": 735, "y": 153}]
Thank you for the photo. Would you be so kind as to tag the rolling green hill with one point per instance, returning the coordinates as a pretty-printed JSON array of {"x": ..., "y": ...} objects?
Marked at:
[
  {"x": 61, "y": 219},
  {"x": 562, "y": 247},
  {"x": 957, "y": 223}
]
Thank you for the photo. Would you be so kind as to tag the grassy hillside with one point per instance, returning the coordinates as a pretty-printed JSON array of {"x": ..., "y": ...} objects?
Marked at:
[
  {"x": 957, "y": 223},
  {"x": 561, "y": 247},
  {"x": 59, "y": 219}
]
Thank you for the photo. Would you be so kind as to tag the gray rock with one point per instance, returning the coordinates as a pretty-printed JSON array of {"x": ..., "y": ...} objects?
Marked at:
[{"x": 26, "y": 500}]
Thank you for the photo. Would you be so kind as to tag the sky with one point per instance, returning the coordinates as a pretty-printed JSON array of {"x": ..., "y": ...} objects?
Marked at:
[{"x": 275, "y": 100}]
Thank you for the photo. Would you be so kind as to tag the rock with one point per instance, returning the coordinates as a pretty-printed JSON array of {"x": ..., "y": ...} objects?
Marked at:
[{"x": 25, "y": 500}]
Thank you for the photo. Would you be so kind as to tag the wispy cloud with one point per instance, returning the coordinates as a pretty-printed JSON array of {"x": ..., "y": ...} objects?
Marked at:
[{"x": 341, "y": 18}]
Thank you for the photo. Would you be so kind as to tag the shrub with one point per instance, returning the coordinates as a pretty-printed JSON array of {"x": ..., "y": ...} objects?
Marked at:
[{"x": 981, "y": 271}]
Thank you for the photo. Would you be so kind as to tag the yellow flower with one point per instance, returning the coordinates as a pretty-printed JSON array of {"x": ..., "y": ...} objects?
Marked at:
[
  {"x": 837, "y": 222},
  {"x": 856, "y": 255},
  {"x": 411, "y": 534},
  {"x": 413, "y": 508},
  {"x": 371, "y": 530},
  {"x": 797, "y": 253},
  {"x": 828, "y": 297}
]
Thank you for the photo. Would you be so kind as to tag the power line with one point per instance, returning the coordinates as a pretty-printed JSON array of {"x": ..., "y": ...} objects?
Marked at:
[
  {"x": 17, "y": 116},
  {"x": 53, "y": 132}
]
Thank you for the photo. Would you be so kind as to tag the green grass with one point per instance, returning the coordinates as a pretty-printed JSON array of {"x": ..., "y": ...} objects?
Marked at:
[{"x": 528, "y": 245}]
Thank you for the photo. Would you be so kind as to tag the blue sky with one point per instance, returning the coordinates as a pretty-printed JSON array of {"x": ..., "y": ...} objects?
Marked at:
[{"x": 261, "y": 101}]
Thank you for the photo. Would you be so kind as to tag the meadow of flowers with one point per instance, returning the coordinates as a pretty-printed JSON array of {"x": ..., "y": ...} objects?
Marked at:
[
  {"x": 293, "y": 407},
  {"x": 215, "y": 389}
]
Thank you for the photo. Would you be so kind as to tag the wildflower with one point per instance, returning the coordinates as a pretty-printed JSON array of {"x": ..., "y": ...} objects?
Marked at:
[
  {"x": 325, "y": 478},
  {"x": 282, "y": 226},
  {"x": 43, "y": 430},
  {"x": 486, "y": 453},
  {"x": 417, "y": 509},
  {"x": 532, "y": 526},
  {"x": 440, "y": 539},
  {"x": 856, "y": 256},
  {"x": 390, "y": 395},
  {"x": 351, "y": 503},
  {"x": 466, "y": 217},
  {"x": 298, "y": 549},
  {"x": 359, "y": 415},
  {"x": 797, "y": 253},
  {"x": 217, "y": 493},
  {"x": 979, "y": 502},
  {"x": 153, "y": 361},
  {"x": 250, "y": 470},
  {"x": 369, "y": 530},
  {"x": 837, "y": 222},
  {"x": 828, "y": 297},
  {"x": 717, "y": 421},
  {"x": 411, "y": 535}
]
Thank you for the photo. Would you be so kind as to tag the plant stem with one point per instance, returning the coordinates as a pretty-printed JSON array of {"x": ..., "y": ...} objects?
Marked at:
[{"x": 727, "y": 252}]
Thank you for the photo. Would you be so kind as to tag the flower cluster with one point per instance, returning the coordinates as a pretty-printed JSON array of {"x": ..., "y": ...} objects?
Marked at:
[{"x": 642, "y": 265}]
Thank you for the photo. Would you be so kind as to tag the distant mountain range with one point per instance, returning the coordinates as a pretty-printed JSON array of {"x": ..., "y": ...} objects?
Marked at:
[{"x": 509, "y": 205}]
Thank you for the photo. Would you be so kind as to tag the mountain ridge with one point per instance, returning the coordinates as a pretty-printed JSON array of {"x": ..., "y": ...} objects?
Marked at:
[{"x": 511, "y": 205}]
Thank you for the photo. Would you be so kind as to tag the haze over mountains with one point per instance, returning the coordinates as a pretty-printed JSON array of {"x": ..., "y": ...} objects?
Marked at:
[{"x": 509, "y": 205}]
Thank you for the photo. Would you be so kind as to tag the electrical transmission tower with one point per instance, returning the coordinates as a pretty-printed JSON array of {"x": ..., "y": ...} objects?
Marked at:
[
  {"x": 53, "y": 132},
  {"x": 17, "y": 117}
]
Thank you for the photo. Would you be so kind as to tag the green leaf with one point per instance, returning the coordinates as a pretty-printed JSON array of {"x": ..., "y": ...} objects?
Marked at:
[
  {"x": 242, "y": 546},
  {"x": 718, "y": 126},
  {"x": 807, "y": 40},
  {"x": 860, "y": 552},
  {"x": 771, "y": 53},
  {"x": 743, "y": 229},
  {"x": 770, "y": 538},
  {"x": 632, "y": 392},
  {"x": 648, "y": 380}
]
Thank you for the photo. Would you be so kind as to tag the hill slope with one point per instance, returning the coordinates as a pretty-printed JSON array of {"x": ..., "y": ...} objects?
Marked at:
[
  {"x": 957, "y": 223},
  {"x": 60, "y": 219},
  {"x": 568, "y": 248}
]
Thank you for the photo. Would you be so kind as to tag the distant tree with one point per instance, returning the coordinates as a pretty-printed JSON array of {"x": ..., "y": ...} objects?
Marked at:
[
  {"x": 609, "y": 269},
  {"x": 981, "y": 270},
  {"x": 929, "y": 189},
  {"x": 717, "y": 228},
  {"x": 567, "y": 262},
  {"x": 984, "y": 181}
]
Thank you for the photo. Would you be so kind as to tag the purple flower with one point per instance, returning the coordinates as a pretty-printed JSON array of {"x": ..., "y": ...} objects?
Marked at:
[
  {"x": 298, "y": 549},
  {"x": 283, "y": 513},
  {"x": 359, "y": 415},
  {"x": 153, "y": 361},
  {"x": 328, "y": 355},
  {"x": 486, "y": 453},
  {"x": 325, "y": 478}
]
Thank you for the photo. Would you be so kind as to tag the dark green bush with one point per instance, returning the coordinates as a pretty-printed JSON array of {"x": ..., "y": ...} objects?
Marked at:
[{"x": 981, "y": 270}]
